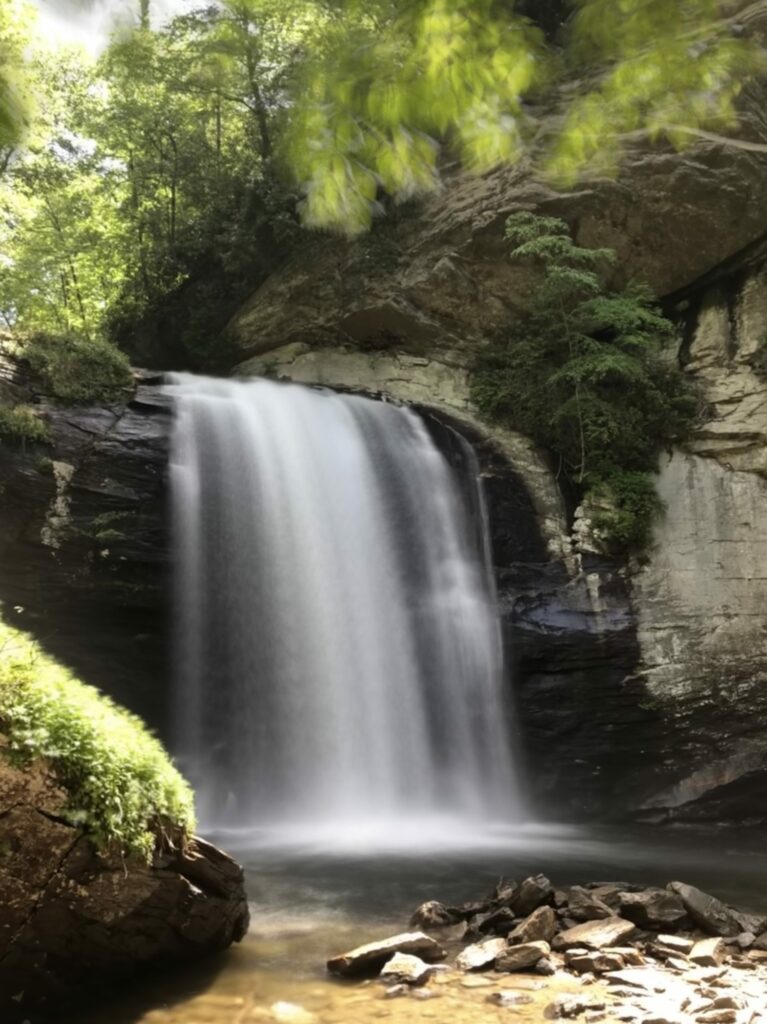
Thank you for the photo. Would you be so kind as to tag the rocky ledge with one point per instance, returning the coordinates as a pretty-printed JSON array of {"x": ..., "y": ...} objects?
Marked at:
[
  {"x": 73, "y": 920},
  {"x": 597, "y": 952}
]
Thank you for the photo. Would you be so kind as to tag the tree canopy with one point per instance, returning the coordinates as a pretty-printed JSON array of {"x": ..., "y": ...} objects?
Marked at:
[{"x": 147, "y": 192}]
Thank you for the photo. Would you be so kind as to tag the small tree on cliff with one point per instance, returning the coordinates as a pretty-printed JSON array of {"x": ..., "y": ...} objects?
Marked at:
[{"x": 588, "y": 375}]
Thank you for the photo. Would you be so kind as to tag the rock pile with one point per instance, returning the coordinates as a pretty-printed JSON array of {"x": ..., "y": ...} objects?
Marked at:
[{"x": 651, "y": 955}]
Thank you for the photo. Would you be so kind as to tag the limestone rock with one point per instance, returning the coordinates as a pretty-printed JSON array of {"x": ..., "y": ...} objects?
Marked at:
[
  {"x": 520, "y": 958},
  {"x": 583, "y": 905},
  {"x": 540, "y": 925},
  {"x": 370, "y": 958},
  {"x": 706, "y": 911},
  {"x": 708, "y": 952},
  {"x": 595, "y": 934},
  {"x": 531, "y": 894},
  {"x": 406, "y": 969},
  {"x": 480, "y": 955},
  {"x": 594, "y": 962},
  {"x": 675, "y": 944}
]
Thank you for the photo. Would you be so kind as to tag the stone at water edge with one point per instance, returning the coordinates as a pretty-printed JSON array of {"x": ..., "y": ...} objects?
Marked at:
[
  {"x": 585, "y": 906},
  {"x": 520, "y": 958},
  {"x": 653, "y": 908},
  {"x": 541, "y": 925},
  {"x": 370, "y": 958},
  {"x": 480, "y": 954},
  {"x": 531, "y": 894},
  {"x": 406, "y": 968},
  {"x": 596, "y": 962},
  {"x": 434, "y": 914},
  {"x": 595, "y": 934},
  {"x": 706, "y": 911}
]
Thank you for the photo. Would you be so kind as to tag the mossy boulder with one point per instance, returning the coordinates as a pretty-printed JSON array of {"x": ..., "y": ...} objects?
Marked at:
[{"x": 99, "y": 872}]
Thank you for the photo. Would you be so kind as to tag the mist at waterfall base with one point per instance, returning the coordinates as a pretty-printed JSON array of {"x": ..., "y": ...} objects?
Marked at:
[{"x": 340, "y": 679}]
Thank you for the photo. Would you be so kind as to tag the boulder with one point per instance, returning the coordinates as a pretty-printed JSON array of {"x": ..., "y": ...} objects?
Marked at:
[
  {"x": 433, "y": 914},
  {"x": 404, "y": 968},
  {"x": 73, "y": 918},
  {"x": 520, "y": 958},
  {"x": 706, "y": 911},
  {"x": 676, "y": 945},
  {"x": 583, "y": 905},
  {"x": 596, "y": 934},
  {"x": 531, "y": 894},
  {"x": 501, "y": 922},
  {"x": 594, "y": 962},
  {"x": 370, "y": 958},
  {"x": 540, "y": 925},
  {"x": 653, "y": 908},
  {"x": 480, "y": 955}
]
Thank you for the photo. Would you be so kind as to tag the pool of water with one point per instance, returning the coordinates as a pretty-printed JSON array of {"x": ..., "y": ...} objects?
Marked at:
[{"x": 319, "y": 896}]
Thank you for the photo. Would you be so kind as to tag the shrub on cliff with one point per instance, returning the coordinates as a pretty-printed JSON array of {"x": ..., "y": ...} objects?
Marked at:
[
  {"x": 21, "y": 423},
  {"x": 590, "y": 375},
  {"x": 79, "y": 371},
  {"x": 123, "y": 789}
]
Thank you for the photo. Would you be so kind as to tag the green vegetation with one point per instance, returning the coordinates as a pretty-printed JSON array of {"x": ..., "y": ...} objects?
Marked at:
[
  {"x": 122, "y": 786},
  {"x": 21, "y": 423},
  {"x": 589, "y": 374},
  {"x": 153, "y": 189},
  {"x": 78, "y": 371}
]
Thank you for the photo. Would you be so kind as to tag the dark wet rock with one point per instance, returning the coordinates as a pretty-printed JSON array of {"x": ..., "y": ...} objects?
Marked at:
[
  {"x": 596, "y": 934},
  {"x": 73, "y": 919},
  {"x": 500, "y": 922},
  {"x": 540, "y": 925},
  {"x": 433, "y": 914},
  {"x": 653, "y": 908},
  {"x": 583, "y": 905},
  {"x": 706, "y": 911},
  {"x": 545, "y": 967},
  {"x": 531, "y": 894},
  {"x": 370, "y": 958},
  {"x": 520, "y": 958}
]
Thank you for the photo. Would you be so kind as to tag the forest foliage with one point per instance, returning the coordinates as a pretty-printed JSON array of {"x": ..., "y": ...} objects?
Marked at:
[
  {"x": 590, "y": 373},
  {"x": 145, "y": 194}
]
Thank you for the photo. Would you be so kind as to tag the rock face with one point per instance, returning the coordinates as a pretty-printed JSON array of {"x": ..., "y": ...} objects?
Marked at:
[
  {"x": 72, "y": 920},
  {"x": 83, "y": 539}
]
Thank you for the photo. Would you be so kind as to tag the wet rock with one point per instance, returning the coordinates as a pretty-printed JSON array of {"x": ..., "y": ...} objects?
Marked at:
[
  {"x": 424, "y": 994},
  {"x": 370, "y": 958},
  {"x": 291, "y": 1013},
  {"x": 476, "y": 981},
  {"x": 706, "y": 911},
  {"x": 708, "y": 952},
  {"x": 531, "y": 894},
  {"x": 594, "y": 962},
  {"x": 568, "y": 1007},
  {"x": 406, "y": 969},
  {"x": 653, "y": 908},
  {"x": 396, "y": 991},
  {"x": 760, "y": 943},
  {"x": 678, "y": 945},
  {"x": 520, "y": 958},
  {"x": 595, "y": 934},
  {"x": 433, "y": 914},
  {"x": 509, "y": 999},
  {"x": 480, "y": 955},
  {"x": 545, "y": 967},
  {"x": 648, "y": 979},
  {"x": 583, "y": 905},
  {"x": 541, "y": 925},
  {"x": 630, "y": 954},
  {"x": 501, "y": 922}
]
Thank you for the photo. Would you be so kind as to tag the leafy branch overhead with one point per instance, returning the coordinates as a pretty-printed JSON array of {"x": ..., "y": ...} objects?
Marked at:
[{"x": 590, "y": 374}]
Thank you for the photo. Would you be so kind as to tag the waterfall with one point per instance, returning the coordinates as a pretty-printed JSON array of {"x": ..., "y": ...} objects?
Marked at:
[{"x": 338, "y": 652}]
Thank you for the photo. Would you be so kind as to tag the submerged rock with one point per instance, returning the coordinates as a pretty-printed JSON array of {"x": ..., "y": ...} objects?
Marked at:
[
  {"x": 72, "y": 918},
  {"x": 370, "y": 958}
]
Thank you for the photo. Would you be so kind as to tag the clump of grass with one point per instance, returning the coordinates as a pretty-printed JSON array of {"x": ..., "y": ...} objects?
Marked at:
[
  {"x": 122, "y": 787},
  {"x": 21, "y": 423},
  {"x": 78, "y": 371}
]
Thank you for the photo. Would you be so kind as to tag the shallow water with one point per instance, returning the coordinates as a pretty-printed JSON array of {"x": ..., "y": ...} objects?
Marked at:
[{"x": 311, "y": 901}]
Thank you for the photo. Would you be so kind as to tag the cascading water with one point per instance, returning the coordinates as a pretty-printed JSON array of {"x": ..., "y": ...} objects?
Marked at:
[{"x": 339, "y": 656}]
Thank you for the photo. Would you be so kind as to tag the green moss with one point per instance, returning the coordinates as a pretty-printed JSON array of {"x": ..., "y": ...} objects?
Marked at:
[
  {"x": 122, "y": 786},
  {"x": 21, "y": 423},
  {"x": 78, "y": 371}
]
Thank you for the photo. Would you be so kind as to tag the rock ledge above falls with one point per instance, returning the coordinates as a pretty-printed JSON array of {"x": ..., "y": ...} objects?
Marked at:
[{"x": 72, "y": 920}]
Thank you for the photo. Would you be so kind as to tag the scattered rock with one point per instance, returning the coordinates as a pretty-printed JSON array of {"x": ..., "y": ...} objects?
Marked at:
[
  {"x": 631, "y": 956},
  {"x": 679, "y": 945},
  {"x": 520, "y": 958},
  {"x": 717, "y": 1017},
  {"x": 708, "y": 952},
  {"x": 541, "y": 925},
  {"x": 406, "y": 968},
  {"x": 370, "y": 958},
  {"x": 546, "y": 967},
  {"x": 646, "y": 978},
  {"x": 480, "y": 955},
  {"x": 595, "y": 934},
  {"x": 653, "y": 908},
  {"x": 583, "y": 905},
  {"x": 433, "y": 914},
  {"x": 573, "y": 1006},
  {"x": 706, "y": 911},
  {"x": 595, "y": 962},
  {"x": 531, "y": 894},
  {"x": 424, "y": 993},
  {"x": 501, "y": 922},
  {"x": 395, "y": 991},
  {"x": 509, "y": 999}
]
